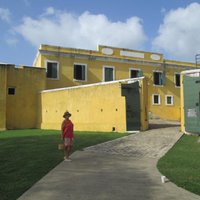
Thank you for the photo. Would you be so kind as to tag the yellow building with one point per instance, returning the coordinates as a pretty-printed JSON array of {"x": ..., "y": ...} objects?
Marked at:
[
  {"x": 71, "y": 67},
  {"x": 84, "y": 81},
  {"x": 24, "y": 102},
  {"x": 110, "y": 106},
  {"x": 19, "y": 96}
]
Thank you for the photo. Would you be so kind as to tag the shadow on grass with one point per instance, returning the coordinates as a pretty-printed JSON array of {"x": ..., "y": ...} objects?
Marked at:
[{"x": 25, "y": 159}]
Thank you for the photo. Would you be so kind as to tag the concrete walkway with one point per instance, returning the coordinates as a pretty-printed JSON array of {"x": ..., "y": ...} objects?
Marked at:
[{"x": 123, "y": 169}]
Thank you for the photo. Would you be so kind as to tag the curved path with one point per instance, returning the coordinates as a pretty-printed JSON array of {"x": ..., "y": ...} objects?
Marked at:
[{"x": 123, "y": 169}]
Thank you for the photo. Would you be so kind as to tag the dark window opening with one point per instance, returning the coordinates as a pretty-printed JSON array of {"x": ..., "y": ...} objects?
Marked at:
[
  {"x": 169, "y": 100},
  {"x": 158, "y": 78},
  {"x": 11, "y": 91},
  {"x": 79, "y": 72},
  {"x": 156, "y": 99},
  {"x": 52, "y": 70},
  {"x": 177, "y": 80},
  {"x": 109, "y": 74},
  {"x": 134, "y": 73}
]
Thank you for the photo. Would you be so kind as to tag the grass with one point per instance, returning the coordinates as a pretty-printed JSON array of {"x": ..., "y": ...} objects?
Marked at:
[
  {"x": 181, "y": 164},
  {"x": 27, "y": 155}
]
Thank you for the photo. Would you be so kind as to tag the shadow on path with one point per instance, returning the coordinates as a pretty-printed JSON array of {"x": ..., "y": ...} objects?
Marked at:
[{"x": 157, "y": 124}]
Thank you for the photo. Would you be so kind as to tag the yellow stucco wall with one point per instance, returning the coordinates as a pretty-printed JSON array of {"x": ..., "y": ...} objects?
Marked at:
[
  {"x": 96, "y": 107},
  {"x": 3, "y": 77},
  {"x": 122, "y": 60},
  {"x": 163, "y": 111},
  {"x": 23, "y": 107}
]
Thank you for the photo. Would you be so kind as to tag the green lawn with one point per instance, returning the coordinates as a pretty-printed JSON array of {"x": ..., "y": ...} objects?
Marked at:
[
  {"x": 181, "y": 164},
  {"x": 27, "y": 155}
]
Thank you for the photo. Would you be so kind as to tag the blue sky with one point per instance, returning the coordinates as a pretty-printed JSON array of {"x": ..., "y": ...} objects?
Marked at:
[{"x": 168, "y": 27}]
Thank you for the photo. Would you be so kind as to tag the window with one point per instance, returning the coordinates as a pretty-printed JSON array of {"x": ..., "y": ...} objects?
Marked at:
[
  {"x": 177, "y": 80},
  {"x": 156, "y": 99},
  {"x": 80, "y": 72},
  {"x": 158, "y": 78},
  {"x": 134, "y": 73},
  {"x": 169, "y": 100},
  {"x": 11, "y": 91},
  {"x": 108, "y": 74},
  {"x": 52, "y": 70}
]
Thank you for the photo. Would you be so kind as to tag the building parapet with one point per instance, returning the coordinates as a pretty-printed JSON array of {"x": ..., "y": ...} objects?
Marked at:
[
  {"x": 130, "y": 80},
  {"x": 112, "y": 54}
]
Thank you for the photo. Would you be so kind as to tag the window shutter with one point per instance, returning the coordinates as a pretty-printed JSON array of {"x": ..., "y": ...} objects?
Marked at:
[
  {"x": 83, "y": 72},
  {"x": 75, "y": 72},
  {"x": 163, "y": 78},
  {"x": 140, "y": 73}
]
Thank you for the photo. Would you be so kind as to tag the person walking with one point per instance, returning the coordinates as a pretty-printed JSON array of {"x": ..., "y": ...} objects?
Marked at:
[{"x": 67, "y": 134}]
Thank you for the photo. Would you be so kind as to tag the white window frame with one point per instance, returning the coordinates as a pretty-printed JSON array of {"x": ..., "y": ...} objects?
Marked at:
[
  {"x": 159, "y": 100},
  {"x": 111, "y": 67},
  {"x": 136, "y": 69},
  {"x": 58, "y": 68},
  {"x": 176, "y": 73},
  {"x": 153, "y": 78},
  {"x": 85, "y": 80},
  {"x": 172, "y": 100}
]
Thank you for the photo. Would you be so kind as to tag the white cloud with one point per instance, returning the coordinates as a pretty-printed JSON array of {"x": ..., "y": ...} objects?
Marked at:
[
  {"x": 84, "y": 31},
  {"x": 179, "y": 33},
  {"x": 49, "y": 11},
  {"x": 5, "y": 14}
]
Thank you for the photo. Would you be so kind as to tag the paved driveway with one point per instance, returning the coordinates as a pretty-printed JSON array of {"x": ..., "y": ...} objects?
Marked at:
[{"x": 123, "y": 169}]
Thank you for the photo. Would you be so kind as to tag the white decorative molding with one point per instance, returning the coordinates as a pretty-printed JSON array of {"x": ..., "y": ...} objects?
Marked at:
[
  {"x": 155, "y": 57},
  {"x": 191, "y": 71},
  {"x": 107, "y": 51},
  {"x": 131, "y": 54},
  {"x": 196, "y": 74}
]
